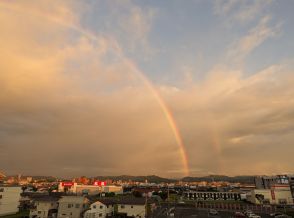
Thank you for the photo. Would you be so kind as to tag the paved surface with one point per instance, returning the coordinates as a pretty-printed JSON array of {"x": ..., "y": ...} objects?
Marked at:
[{"x": 182, "y": 212}]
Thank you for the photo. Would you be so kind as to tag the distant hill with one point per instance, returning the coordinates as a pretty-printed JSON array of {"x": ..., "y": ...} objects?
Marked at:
[
  {"x": 157, "y": 179},
  {"x": 218, "y": 178},
  {"x": 151, "y": 178}
]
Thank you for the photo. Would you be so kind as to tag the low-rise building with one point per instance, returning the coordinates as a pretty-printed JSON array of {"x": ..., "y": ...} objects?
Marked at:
[
  {"x": 73, "y": 187},
  {"x": 72, "y": 206},
  {"x": 44, "y": 207},
  {"x": 9, "y": 199},
  {"x": 101, "y": 208},
  {"x": 112, "y": 188},
  {"x": 277, "y": 195},
  {"x": 213, "y": 196}
]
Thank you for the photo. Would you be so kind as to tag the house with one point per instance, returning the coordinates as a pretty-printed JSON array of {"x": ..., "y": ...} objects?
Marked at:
[
  {"x": 44, "y": 207},
  {"x": 100, "y": 209},
  {"x": 72, "y": 206},
  {"x": 133, "y": 207},
  {"x": 9, "y": 199}
]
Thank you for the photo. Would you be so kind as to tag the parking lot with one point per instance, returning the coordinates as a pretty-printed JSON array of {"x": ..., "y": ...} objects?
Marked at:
[{"x": 179, "y": 212}]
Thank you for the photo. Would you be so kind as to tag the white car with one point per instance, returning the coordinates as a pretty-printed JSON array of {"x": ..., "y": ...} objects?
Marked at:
[{"x": 213, "y": 212}]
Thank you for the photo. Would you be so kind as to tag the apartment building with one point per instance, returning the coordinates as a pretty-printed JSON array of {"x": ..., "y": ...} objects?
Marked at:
[
  {"x": 72, "y": 206},
  {"x": 44, "y": 207}
]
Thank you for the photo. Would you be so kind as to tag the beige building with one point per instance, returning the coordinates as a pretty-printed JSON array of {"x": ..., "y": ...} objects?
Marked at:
[
  {"x": 278, "y": 194},
  {"x": 132, "y": 207},
  {"x": 9, "y": 199},
  {"x": 100, "y": 209},
  {"x": 44, "y": 207},
  {"x": 72, "y": 206},
  {"x": 112, "y": 188}
]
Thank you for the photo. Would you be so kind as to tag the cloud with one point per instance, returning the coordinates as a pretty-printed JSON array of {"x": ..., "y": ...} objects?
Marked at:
[
  {"x": 240, "y": 12},
  {"x": 72, "y": 103},
  {"x": 256, "y": 36},
  {"x": 244, "y": 121}
]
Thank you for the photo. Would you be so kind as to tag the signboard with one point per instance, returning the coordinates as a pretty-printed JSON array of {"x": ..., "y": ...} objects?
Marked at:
[
  {"x": 273, "y": 194},
  {"x": 67, "y": 184},
  {"x": 100, "y": 183}
]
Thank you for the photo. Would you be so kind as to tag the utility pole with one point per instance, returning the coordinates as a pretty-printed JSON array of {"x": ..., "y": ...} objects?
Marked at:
[
  {"x": 146, "y": 209},
  {"x": 168, "y": 200}
]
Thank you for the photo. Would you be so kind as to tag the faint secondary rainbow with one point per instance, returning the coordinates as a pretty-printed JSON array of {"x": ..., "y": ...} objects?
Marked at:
[{"x": 166, "y": 111}]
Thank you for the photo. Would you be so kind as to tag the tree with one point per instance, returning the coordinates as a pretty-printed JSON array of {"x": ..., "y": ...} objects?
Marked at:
[{"x": 23, "y": 188}]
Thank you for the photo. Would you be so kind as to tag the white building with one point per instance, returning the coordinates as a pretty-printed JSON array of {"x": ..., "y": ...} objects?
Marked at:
[
  {"x": 44, "y": 207},
  {"x": 9, "y": 199},
  {"x": 101, "y": 208},
  {"x": 278, "y": 194},
  {"x": 73, "y": 187},
  {"x": 72, "y": 206}
]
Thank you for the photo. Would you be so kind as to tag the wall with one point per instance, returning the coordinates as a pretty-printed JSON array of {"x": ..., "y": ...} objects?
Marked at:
[
  {"x": 42, "y": 209},
  {"x": 132, "y": 210},
  {"x": 98, "y": 208},
  {"x": 9, "y": 199}
]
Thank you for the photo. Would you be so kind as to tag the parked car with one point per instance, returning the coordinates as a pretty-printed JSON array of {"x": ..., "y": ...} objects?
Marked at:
[
  {"x": 213, "y": 212},
  {"x": 280, "y": 215},
  {"x": 252, "y": 215},
  {"x": 246, "y": 212},
  {"x": 239, "y": 215}
]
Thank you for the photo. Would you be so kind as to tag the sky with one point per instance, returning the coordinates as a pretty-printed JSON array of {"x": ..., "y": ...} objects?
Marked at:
[{"x": 165, "y": 87}]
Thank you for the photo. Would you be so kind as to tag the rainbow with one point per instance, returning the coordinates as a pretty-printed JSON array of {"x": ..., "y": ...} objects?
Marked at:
[{"x": 166, "y": 111}]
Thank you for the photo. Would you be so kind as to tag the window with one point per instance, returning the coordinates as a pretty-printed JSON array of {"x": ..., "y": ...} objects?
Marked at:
[
  {"x": 94, "y": 206},
  {"x": 101, "y": 207},
  {"x": 0, "y": 196},
  {"x": 122, "y": 206},
  {"x": 100, "y": 214},
  {"x": 1, "y": 189},
  {"x": 132, "y": 206},
  {"x": 77, "y": 205},
  {"x": 282, "y": 201},
  {"x": 39, "y": 212},
  {"x": 69, "y": 206}
]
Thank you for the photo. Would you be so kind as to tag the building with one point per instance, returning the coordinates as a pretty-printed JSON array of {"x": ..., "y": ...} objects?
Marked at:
[
  {"x": 112, "y": 188},
  {"x": 2, "y": 176},
  {"x": 266, "y": 182},
  {"x": 72, "y": 206},
  {"x": 101, "y": 208},
  {"x": 96, "y": 188},
  {"x": 9, "y": 199},
  {"x": 213, "y": 196},
  {"x": 134, "y": 207},
  {"x": 277, "y": 195},
  {"x": 44, "y": 207}
]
